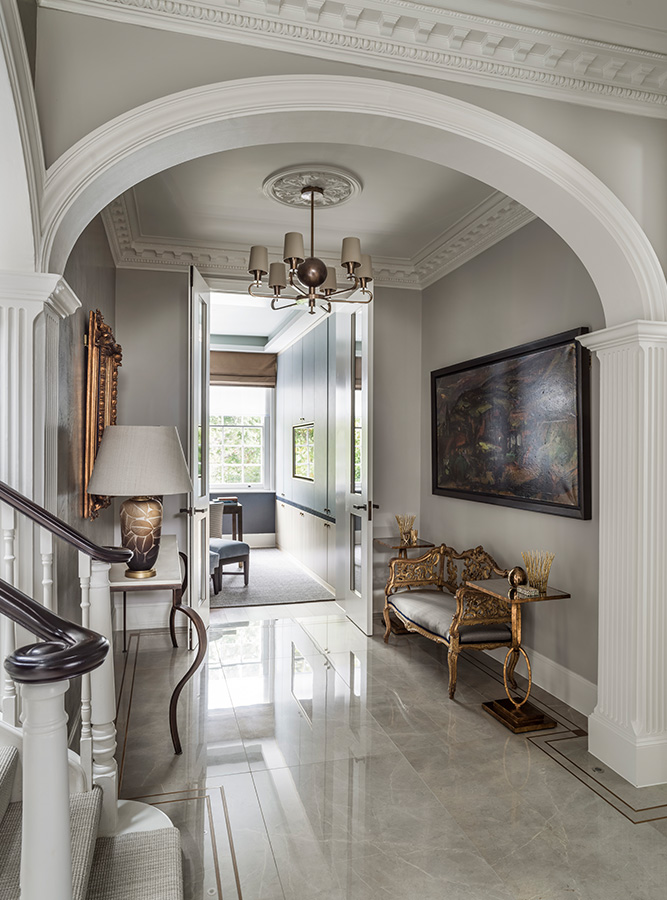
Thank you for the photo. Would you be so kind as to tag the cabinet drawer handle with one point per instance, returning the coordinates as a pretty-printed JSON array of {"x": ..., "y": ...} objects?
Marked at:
[
  {"x": 300, "y": 513},
  {"x": 326, "y": 525}
]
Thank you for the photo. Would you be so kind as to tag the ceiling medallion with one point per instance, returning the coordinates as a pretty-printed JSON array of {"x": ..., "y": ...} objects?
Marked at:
[
  {"x": 308, "y": 277},
  {"x": 286, "y": 186}
]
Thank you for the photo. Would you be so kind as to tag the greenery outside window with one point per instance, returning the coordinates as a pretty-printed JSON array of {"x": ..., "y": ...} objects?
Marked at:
[
  {"x": 239, "y": 437},
  {"x": 303, "y": 452}
]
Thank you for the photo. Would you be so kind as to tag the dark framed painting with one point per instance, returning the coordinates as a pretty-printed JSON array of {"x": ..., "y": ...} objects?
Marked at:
[{"x": 513, "y": 428}]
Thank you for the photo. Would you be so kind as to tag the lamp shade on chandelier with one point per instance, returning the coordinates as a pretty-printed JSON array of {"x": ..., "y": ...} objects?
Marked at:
[{"x": 308, "y": 277}]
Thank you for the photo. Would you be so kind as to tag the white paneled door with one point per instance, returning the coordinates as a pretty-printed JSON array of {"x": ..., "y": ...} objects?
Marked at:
[
  {"x": 354, "y": 481},
  {"x": 198, "y": 527}
]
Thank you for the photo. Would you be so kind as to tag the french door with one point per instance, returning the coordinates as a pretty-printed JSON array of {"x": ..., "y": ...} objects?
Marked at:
[
  {"x": 354, "y": 454},
  {"x": 198, "y": 527}
]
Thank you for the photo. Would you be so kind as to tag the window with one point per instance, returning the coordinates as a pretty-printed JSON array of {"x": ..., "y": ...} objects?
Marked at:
[
  {"x": 239, "y": 436},
  {"x": 303, "y": 452}
]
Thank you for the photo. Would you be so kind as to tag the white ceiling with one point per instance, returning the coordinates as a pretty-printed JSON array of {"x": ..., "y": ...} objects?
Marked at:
[{"x": 405, "y": 203}]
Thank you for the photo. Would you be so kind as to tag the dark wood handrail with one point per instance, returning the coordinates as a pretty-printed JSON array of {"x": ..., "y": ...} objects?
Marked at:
[
  {"x": 56, "y": 526},
  {"x": 68, "y": 650}
]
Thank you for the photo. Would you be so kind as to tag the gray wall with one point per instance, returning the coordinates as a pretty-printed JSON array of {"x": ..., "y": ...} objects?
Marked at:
[
  {"x": 527, "y": 287},
  {"x": 91, "y": 274},
  {"x": 259, "y": 511},
  {"x": 152, "y": 328},
  {"x": 397, "y": 428}
]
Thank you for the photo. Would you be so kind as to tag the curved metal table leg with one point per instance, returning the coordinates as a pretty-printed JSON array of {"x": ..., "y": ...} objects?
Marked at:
[
  {"x": 200, "y": 628},
  {"x": 172, "y": 628}
]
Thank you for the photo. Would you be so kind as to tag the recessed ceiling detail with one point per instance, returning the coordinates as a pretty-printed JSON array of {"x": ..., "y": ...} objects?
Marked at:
[{"x": 338, "y": 186}]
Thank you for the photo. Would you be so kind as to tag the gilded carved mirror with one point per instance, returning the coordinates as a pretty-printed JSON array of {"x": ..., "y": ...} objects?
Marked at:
[{"x": 104, "y": 358}]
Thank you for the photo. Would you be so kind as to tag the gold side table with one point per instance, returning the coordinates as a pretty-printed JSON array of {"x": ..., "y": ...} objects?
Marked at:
[
  {"x": 517, "y": 715},
  {"x": 395, "y": 543}
]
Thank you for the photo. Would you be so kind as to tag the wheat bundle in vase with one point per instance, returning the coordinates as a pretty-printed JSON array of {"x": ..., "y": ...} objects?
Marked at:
[
  {"x": 538, "y": 565},
  {"x": 405, "y": 524}
]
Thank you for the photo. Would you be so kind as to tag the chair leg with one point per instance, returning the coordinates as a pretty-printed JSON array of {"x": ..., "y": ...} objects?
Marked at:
[
  {"x": 246, "y": 570},
  {"x": 452, "y": 660},
  {"x": 387, "y": 622},
  {"x": 217, "y": 579}
]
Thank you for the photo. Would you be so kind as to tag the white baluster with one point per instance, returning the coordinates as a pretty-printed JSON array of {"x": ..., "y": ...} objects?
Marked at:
[
  {"x": 8, "y": 631},
  {"x": 103, "y": 697},
  {"x": 46, "y": 856},
  {"x": 86, "y": 740},
  {"x": 46, "y": 551}
]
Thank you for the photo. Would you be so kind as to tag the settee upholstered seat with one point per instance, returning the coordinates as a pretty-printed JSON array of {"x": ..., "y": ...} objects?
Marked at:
[
  {"x": 430, "y": 595},
  {"x": 432, "y": 610}
]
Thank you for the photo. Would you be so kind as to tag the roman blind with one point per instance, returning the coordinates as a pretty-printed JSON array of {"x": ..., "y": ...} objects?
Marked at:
[{"x": 238, "y": 369}]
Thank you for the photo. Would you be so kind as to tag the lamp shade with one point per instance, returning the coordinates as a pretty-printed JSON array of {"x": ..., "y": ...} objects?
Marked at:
[{"x": 140, "y": 460}]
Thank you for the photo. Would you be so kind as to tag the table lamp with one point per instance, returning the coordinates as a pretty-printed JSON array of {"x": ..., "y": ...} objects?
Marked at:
[{"x": 141, "y": 462}]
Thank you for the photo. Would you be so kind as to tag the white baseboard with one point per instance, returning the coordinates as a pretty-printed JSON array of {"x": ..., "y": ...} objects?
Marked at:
[
  {"x": 577, "y": 692},
  {"x": 258, "y": 541}
]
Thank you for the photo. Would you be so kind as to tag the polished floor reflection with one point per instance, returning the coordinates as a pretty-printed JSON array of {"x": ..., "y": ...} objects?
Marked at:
[{"x": 319, "y": 763}]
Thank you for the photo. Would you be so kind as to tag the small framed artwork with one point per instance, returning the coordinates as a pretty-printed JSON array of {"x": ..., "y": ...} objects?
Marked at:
[
  {"x": 104, "y": 358},
  {"x": 513, "y": 428}
]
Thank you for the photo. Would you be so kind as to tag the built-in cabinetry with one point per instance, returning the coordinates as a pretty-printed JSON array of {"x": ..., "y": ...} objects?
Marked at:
[
  {"x": 305, "y": 388},
  {"x": 308, "y": 538}
]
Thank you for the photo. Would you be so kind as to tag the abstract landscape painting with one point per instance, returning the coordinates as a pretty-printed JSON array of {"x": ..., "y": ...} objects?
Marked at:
[{"x": 512, "y": 428}]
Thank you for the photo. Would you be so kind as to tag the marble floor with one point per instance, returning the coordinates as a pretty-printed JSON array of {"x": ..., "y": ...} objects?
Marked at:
[{"x": 319, "y": 763}]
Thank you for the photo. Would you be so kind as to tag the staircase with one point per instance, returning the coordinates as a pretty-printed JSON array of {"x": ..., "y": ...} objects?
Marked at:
[
  {"x": 64, "y": 834},
  {"x": 145, "y": 864}
]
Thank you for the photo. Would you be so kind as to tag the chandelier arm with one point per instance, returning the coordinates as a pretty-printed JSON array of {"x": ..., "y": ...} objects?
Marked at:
[
  {"x": 297, "y": 287},
  {"x": 357, "y": 300},
  {"x": 272, "y": 298},
  {"x": 286, "y": 306}
]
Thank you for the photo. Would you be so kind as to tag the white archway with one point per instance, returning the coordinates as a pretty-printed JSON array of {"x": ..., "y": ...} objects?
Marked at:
[
  {"x": 628, "y": 729},
  {"x": 183, "y": 126}
]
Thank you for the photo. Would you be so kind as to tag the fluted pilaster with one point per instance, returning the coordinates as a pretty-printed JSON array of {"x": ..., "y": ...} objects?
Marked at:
[{"x": 628, "y": 728}]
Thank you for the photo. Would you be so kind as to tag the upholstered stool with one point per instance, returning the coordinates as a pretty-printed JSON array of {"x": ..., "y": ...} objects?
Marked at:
[{"x": 229, "y": 551}]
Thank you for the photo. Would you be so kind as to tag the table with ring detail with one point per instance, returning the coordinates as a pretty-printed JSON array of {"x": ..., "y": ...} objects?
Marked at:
[
  {"x": 395, "y": 543},
  {"x": 168, "y": 577},
  {"x": 516, "y": 714}
]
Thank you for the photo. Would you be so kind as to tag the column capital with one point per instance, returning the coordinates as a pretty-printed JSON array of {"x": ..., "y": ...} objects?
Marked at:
[
  {"x": 640, "y": 332},
  {"x": 38, "y": 290}
]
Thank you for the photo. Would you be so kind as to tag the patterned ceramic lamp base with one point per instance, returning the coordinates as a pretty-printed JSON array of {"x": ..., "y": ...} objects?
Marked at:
[{"x": 140, "y": 530}]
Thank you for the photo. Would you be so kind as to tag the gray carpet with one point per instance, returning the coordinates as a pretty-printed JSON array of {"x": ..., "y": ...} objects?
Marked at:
[{"x": 274, "y": 578}]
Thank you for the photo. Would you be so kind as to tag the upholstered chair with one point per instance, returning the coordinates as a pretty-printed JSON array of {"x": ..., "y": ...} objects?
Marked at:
[{"x": 227, "y": 550}]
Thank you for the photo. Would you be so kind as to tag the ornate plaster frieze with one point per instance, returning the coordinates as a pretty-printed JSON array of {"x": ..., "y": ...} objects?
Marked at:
[
  {"x": 417, "y": 39},
  {"x": 485, "y": 225}
]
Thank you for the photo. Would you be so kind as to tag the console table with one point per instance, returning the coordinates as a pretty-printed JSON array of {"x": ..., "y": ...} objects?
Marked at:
[
  {"x": 517, "y": 715},
  {"x": 169, "y": 576}
]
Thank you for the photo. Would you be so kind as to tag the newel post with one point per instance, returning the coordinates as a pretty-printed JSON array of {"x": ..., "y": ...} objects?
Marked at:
[
  {"x": 628, "y": 728},
  {"x": 103, "y": 700}
]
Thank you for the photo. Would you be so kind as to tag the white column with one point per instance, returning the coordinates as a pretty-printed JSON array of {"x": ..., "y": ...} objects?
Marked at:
[
  {"x": 46, "y": 868},
  {"x": 628, "y": 728},
  {"x": 103, "y": 700},
  {"x": 31, "y": 305}
]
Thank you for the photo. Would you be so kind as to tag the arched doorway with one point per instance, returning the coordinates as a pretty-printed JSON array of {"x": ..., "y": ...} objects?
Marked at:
[{"x": 629, "y": 726}]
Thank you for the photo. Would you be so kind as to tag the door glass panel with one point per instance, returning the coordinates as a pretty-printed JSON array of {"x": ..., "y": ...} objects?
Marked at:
[
  {"x": 204, "y": 568},
  {"x": 355, "y": 554},
  {"x": 356, "y": 431}
]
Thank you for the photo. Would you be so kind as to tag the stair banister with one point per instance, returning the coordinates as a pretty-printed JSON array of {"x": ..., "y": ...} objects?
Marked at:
[
  {"x": 43, "y": 670},
  {"x": 98, "y": 732}
]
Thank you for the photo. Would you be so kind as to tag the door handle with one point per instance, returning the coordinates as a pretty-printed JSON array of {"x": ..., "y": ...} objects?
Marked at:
[
  {"x": 371, "y": 507},
  {"x": 361, "y": 506},
  {"x": 191, "y": 510}
]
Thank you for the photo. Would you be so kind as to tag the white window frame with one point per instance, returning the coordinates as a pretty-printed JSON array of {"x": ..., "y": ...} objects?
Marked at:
[{"x": 268, "y": 455}]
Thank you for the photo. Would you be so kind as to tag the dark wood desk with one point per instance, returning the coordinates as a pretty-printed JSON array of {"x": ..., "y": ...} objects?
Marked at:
[
  {"x": 517, "y": 715},
  {"x": 168, "y": 577},
  {"x": 231, "y": 507}
]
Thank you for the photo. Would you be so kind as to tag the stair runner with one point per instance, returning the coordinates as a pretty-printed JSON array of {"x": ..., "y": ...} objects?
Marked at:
[{"x": 143, "y": 865}]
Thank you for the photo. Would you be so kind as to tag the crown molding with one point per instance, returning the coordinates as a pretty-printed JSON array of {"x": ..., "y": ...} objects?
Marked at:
[
  {"x": 488, "y": 223},
  {"x": 417, "y": 39}
]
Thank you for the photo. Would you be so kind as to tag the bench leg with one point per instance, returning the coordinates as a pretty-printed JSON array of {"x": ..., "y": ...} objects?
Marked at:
[
  {"x": 387, "y": 622},
  {"x": 452, "y": 660}
]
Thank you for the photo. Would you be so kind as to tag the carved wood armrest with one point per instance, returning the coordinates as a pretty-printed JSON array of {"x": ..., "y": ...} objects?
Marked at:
[
  {"x": 417, "y": 572},
  {"x": 474, "y": 607}
]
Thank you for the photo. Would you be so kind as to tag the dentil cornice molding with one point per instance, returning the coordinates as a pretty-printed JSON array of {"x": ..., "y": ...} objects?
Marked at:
[
  {"x": 488, "y": 223},
  {"x": 417, "y": 39}
]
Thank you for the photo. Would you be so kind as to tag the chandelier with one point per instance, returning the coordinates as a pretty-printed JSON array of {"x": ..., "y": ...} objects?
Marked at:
[{"x": 308, "y": 277}]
